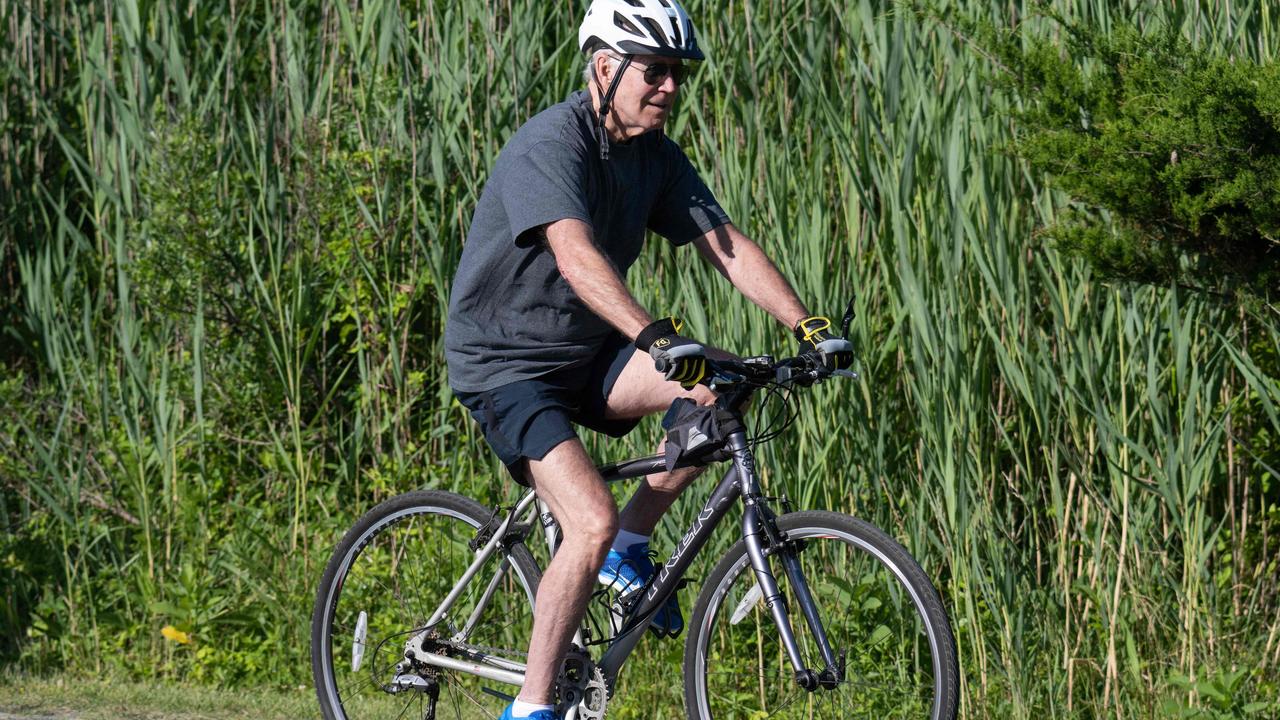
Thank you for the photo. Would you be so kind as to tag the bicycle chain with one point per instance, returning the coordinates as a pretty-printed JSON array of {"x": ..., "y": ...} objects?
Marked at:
[
  {"x": 483, "y": 649},
  {"x": 588, "y": 690}
]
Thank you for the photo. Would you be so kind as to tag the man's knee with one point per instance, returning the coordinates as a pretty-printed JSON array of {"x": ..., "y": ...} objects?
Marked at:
[
  {"x": 702, "y": 395},
  {"x": 593, "y": 531},
  {"x": 568, "y": 482},
  {"x": 640, "y": 390},
  {"x": 596, "y": 524}
]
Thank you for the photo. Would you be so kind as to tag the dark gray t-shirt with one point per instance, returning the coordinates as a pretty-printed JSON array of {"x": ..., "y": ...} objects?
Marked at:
[{"x": 512, "y": 316}]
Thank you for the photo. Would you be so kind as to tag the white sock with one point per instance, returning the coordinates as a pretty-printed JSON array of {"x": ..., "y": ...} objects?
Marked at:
[
  {"x": 520, "y": 709},
  {"x": 626, "y": 539}
]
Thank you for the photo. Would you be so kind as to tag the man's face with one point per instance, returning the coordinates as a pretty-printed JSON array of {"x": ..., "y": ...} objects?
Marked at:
[{"x": 640, "y": 106}]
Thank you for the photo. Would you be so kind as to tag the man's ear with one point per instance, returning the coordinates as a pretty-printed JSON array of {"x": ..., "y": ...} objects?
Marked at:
[{"x": 604, "y": 69}]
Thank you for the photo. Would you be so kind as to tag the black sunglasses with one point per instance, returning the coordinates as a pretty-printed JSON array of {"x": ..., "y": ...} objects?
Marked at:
[{"x": 654, "y": 74}]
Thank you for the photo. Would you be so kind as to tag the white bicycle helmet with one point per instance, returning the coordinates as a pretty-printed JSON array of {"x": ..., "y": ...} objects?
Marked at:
[{"x": 640, "y": 27}]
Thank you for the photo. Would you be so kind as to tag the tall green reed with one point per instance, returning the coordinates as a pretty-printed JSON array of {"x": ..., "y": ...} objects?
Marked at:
[{"x": 243, "y": 363}]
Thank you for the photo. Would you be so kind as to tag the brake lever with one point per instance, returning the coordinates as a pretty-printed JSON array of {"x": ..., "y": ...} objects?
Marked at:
[
  {"x": 817, "y": 376},
  {"x": 721, "y": 379}
]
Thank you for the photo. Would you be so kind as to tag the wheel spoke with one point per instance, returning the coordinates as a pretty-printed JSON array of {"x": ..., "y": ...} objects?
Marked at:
[
  {"x": 405, "y": 709},
  {"x": 867, "y": 612},
  {"x": 396, "y": 574}
]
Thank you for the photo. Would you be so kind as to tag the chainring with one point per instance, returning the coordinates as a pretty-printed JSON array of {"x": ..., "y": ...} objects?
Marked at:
[{"x": 582, "y": 685}]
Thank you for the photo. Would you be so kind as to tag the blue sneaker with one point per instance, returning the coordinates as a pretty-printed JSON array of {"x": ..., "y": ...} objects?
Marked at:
[
  {"x": 537, "y": 715},
  {"x": 628, "y": 572}
]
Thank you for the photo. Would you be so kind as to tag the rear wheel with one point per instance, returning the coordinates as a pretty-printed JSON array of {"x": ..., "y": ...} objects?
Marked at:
[
  {"x": 385, "y": 580},
  {"x": 880, "y": 613}
]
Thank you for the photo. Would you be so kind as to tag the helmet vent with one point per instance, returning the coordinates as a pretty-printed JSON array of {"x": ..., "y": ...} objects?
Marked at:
[
  {"x": 622, "y": 22},
  {"x": 655, "y": 32}
]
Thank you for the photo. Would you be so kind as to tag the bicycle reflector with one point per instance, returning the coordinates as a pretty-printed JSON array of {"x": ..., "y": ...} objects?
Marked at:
[
  {"x": 745, "y": 605},
  {"x": 357, "y": 647}
]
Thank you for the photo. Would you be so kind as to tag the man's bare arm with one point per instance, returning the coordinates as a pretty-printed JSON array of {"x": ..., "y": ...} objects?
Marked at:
[
  {"x": 741, "y": 260},
  {"x": 593, "y": 277}
]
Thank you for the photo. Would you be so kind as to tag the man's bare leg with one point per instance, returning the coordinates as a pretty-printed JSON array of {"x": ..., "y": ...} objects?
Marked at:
[
  {"x": 567, "y": 481},
  {"x": 654, "y": 497}
]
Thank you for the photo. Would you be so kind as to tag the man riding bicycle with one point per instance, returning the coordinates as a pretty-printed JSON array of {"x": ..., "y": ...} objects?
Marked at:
[{"x": 543, "y": 333}]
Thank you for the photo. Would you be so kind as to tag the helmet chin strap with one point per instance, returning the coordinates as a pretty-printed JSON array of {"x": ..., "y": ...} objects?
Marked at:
[{"x": 605, "y": 103}]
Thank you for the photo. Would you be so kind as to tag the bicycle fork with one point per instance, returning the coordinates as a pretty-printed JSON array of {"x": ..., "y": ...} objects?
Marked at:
[{"x": 764, "y": 539}]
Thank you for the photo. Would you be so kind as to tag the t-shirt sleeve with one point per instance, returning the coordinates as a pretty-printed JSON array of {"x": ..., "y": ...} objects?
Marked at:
[
  {"x": 545, "y": 184},
  {"x": 685, "y": 209}
]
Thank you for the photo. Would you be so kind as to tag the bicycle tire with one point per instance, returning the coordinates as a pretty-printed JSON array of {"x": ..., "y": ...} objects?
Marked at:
[
  {"x": 876, "y": 604},
  {"x": 408, "y": 547}
]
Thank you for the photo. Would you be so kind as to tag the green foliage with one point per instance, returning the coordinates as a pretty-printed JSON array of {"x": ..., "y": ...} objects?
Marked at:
[
  {"x": 1169, "y": 152},
  {"x": 344, "y": 264},
  {"x": 190, "y": 246},
  {"x": 1223, "y": 695}
]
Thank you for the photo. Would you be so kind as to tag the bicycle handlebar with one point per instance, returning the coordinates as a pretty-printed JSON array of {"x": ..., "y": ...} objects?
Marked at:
[{"x": 804, "y": 369}]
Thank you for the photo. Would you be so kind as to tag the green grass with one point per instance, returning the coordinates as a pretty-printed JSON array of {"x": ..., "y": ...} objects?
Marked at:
[
  {"x": 90, "y": 698},
  {"x": 224, "y": 261}
]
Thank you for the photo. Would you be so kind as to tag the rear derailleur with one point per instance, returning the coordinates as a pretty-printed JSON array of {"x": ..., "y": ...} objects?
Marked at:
[{"x": 412, "y": 675}]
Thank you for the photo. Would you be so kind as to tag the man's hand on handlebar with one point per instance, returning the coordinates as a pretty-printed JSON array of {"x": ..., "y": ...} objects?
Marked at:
[
  {"x": 815, "y": 335},
  {"x": 676, "y": 357}
]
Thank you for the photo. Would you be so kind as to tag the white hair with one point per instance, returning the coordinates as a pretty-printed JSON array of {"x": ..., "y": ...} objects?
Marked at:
[{"x": 589, "y": 72}]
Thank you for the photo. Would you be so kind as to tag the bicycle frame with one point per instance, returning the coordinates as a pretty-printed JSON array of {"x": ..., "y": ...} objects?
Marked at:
[{"x": 762, "y": 537}]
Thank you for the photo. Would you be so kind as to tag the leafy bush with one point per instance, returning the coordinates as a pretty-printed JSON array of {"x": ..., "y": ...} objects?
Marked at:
[{"x": 1168, "y": 151}]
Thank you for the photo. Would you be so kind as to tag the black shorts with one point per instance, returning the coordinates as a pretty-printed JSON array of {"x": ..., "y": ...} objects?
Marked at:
[{"x": 526, "y": 419}]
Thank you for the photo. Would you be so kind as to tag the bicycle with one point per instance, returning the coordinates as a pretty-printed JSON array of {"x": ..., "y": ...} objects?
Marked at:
[{"x": 438, "y": 591}]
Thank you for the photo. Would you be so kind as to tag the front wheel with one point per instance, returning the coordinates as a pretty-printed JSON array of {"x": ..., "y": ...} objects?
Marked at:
[{"x": 880, "y": 613}]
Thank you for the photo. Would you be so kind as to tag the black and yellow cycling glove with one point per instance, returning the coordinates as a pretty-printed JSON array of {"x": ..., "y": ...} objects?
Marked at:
[
  {"x": 814, "y": 334},
  {"x": 677, "y": 358}
]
